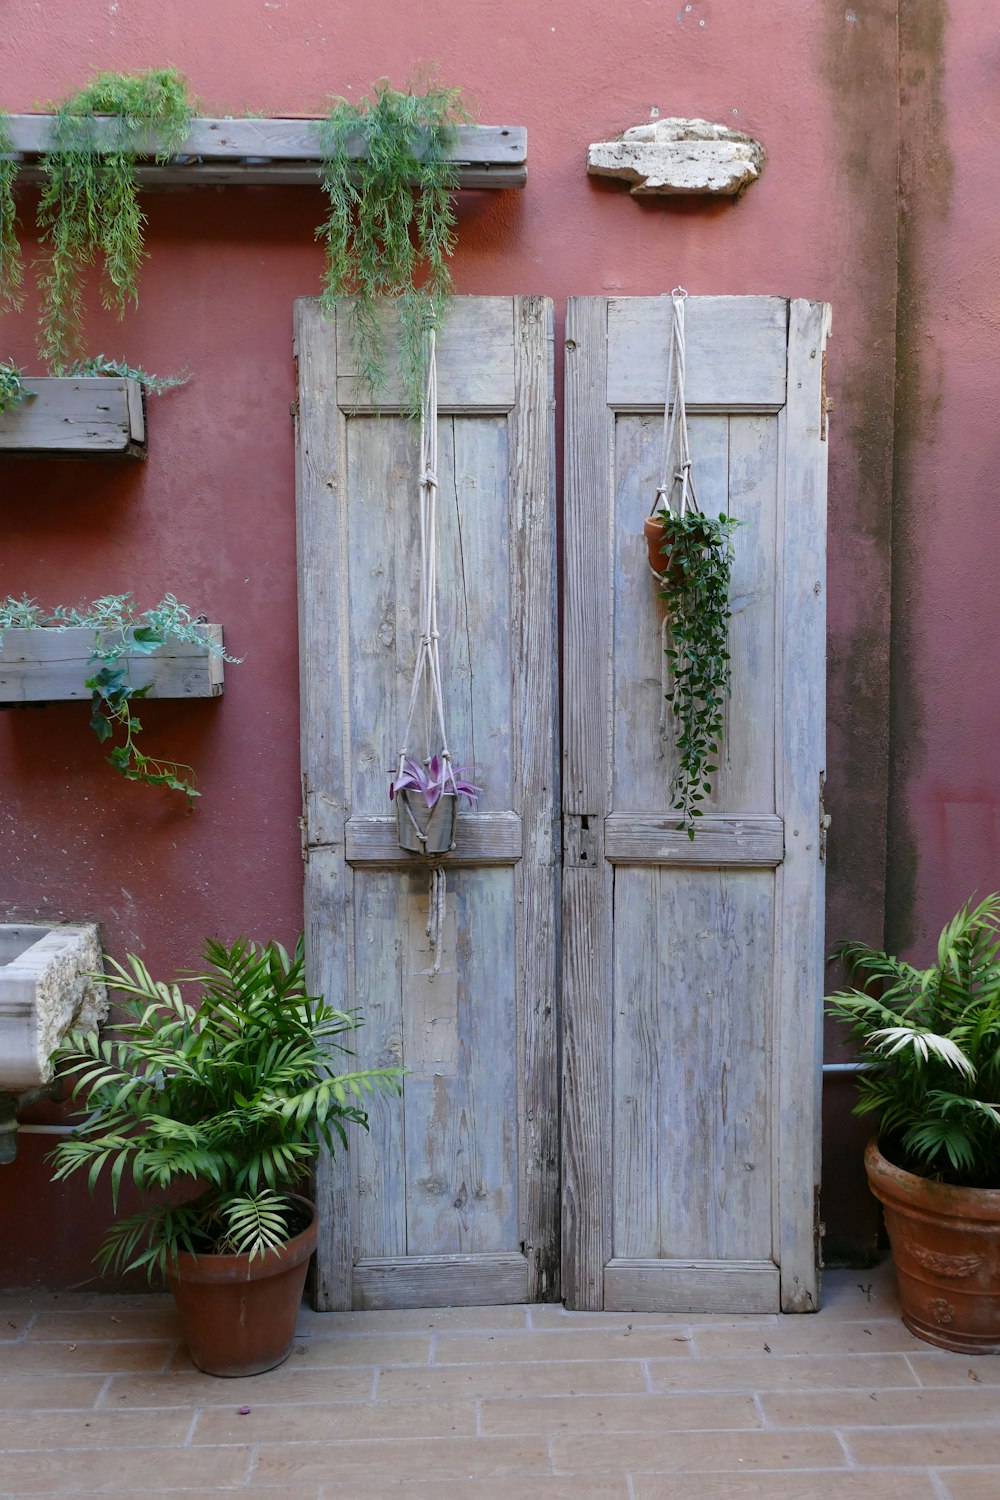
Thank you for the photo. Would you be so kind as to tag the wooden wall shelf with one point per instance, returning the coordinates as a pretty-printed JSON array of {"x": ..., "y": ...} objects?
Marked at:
[
  {"x": 256, "y": 153},
  {"x": 46, "y": 665},
  {"x": 92, "y": 416}
]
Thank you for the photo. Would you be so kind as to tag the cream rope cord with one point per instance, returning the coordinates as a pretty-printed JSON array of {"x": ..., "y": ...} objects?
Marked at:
[
  {"x": 676, "y": 463},
  {"x": 675, "y": 427},
  {"x": 427, "y": 667}
]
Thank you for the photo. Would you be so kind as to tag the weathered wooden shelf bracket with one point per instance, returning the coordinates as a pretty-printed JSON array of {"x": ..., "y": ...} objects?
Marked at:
[
  {"x": 260, "y": 153},
  {"x": 45, "y": 664},
  {"x": 93, "y": 416}
]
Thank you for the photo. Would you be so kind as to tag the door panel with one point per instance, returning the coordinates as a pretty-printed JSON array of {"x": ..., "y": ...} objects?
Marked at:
[
  {"x": 453, "y": 1195},
  {"x": 693, "y": 970}
]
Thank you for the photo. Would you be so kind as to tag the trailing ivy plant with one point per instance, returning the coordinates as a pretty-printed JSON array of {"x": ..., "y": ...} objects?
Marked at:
[
  {"x": 119, "y": 632},
  {"x": 89, "y": 210},
  {"x": 12, "y": 388},
  {"x": 11, "y": 265},
  {"x": 698, "y": 553},
  {"x": 390, "y": 231}
]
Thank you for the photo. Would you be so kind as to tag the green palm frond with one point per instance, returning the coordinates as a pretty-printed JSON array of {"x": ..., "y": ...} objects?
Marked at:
[
  {"x": 931, "y": 1042},
  {"x": 255, "y": 1223}
]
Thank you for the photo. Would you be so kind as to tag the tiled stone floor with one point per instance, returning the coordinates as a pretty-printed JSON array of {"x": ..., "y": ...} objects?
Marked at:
[{"x": 98, "y": 1397}]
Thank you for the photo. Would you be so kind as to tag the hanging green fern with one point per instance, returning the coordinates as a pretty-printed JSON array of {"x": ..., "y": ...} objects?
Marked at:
[
  {"x": 391, "y": 227},
  {"x": 11, "y": 266},
  {"x": 89, "y": 208}
]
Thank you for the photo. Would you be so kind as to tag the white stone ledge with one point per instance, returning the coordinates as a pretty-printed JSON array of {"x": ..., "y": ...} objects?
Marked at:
[
  {"x": 676, "y": 156},
  {"x": 46, "y": 990}
]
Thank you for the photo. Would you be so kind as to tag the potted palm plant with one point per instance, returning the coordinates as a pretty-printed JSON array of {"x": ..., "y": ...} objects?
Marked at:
[
  {"x": 217, "y": 1112},
  {"x": 929, "y": 1040}
]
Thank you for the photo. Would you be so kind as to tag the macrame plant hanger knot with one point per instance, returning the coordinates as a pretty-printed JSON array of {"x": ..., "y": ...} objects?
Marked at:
[{"x": 427, "y": 667}]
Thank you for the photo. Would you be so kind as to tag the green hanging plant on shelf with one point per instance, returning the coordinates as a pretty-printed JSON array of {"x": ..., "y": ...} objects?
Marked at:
[
  {"x": 390, "y": 231},
  {"x": 12, "y": 391},
  {"x": 153, "y": 385},
  {"x": 121, "y": 631},
  {"x": 11, "y": 263},
  {"x": 88, "y": 210}
]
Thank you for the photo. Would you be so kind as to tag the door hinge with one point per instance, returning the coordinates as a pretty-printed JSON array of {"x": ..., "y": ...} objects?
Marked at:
[
  {"x": 303, "y": 820},
  {"x": 824, "y": 818},
  {"x": 580, "y": 840},
  {"x": 826, "y": 403},
  {"x": 819, "y": 1229}
]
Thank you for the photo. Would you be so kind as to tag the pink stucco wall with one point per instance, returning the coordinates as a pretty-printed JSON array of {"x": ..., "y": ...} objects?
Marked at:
[
  {"x": 211, "y": 515},
  {"x": 946, "y": 708}
]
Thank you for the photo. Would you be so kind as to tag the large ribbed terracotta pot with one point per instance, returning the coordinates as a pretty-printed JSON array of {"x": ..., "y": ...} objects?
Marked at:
[
  {"x": 238, "y": 1315},
  {"x": 946, "y": 1248}
]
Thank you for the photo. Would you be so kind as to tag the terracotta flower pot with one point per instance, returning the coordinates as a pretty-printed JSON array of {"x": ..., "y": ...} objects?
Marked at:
[
  {"x": 652, "y": 530},
  {"x": 659, "y": 559},
  {"x": 238, "y": 1315},
  {"x": 437, "y": 823},
  {"x": 946, "y": 1248}
]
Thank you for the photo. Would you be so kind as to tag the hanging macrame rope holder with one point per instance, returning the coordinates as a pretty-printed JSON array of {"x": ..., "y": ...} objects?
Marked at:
[
  {"x": 426, "y": 830},
  {"x": 676, "y": 491}
]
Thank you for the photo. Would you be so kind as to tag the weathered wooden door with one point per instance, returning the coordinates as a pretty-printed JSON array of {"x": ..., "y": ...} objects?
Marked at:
[
  {"x": 692, "y": 971},
  {"x": 453, "y": 1197}
]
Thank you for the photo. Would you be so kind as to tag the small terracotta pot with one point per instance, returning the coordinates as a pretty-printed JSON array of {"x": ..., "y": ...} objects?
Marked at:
[
  {"x": 437, "y": 823},
  {"x": 946, "y": 1248},
  {"x": 238, "y": 1315},
  {"x": 653, "y": 532},
  {"x": 659, "y": 559}
]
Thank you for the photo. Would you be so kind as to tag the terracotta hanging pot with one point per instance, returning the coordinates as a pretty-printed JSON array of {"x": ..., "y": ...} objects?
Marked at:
[
  {"x": 659, "y": 556},
  {"x": 238, "y": 1315},
  {"x": 946, "y": 1248},
  {"x": 653, "y": 530},
  {"x": 437, "y": 823}
]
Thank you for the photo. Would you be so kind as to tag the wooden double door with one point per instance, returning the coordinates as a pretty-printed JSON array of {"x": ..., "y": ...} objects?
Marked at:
[{"x": 613, "y": 1076}]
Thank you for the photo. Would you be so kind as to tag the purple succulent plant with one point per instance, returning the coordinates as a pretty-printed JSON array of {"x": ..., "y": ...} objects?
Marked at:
[{"x": 432, "y": 779}]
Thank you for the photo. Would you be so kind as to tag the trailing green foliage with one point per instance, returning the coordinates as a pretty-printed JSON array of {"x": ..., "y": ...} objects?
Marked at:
[
  {"x": 695, "y": 587},
  {"x": 931, "y": 1040},
  {"x": 121, "y": 631},
  {"x": 390, "y": 231},
  {"x": 11, "y": 265},
  {"x": 12, "y": 389},
  {"x": 89, "y": 210},
  {"x": 99, "y": 364},
  {"x": 235, "y": 1094}
]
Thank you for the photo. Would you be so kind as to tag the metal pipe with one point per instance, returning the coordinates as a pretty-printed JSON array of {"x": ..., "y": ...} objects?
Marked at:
[{"x": 847, "y": 1067}]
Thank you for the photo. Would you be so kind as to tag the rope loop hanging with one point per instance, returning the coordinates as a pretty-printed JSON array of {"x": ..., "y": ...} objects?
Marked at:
[
  {"x": 676, "y": 489},
  {"x": 427, "y": 667}
]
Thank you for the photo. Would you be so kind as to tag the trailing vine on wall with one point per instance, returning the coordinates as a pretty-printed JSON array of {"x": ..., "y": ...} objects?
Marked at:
[
  {"x": 89, "y": 211},
  {"x": 121, "y": 631},
  {"x": 698, "y": 554},
  {"x": 390, "y": 231}
]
